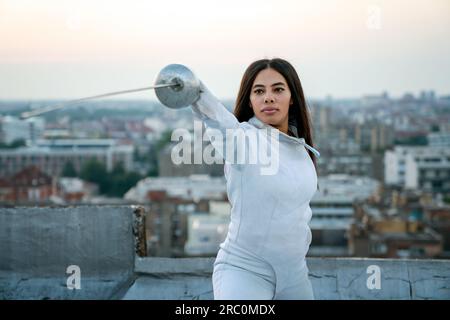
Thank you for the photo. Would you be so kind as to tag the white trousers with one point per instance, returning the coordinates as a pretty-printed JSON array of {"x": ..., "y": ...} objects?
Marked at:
[{"x": 241, "y": 277}]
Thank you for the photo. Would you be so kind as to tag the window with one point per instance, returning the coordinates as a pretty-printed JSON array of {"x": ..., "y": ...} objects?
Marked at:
[
  {"x": 427, "y": 185},
  {"x": 379, "y": 248},
  {"x": 430, "y": 174},
  {"x": 433, "y": 160}
]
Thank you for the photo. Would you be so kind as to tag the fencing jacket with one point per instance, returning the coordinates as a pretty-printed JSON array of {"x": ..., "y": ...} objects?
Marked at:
[{"x": 270, "y": 213}]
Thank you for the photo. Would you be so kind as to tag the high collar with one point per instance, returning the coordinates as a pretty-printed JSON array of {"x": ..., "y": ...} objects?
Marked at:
[{"x": 261, "y": 125}]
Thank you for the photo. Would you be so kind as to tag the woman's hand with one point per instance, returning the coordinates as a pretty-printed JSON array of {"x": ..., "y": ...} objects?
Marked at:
[{"x": 207, "y": 103}]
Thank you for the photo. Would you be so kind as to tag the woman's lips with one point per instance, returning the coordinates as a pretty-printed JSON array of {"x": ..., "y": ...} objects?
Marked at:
[{"x": 269, "y": 111}]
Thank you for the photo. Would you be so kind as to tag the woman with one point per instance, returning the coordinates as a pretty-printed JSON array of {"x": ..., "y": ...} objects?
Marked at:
[{"x": 263, "y": 255}]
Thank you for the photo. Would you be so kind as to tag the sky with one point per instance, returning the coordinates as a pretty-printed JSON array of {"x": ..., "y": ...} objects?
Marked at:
[{"x": 56, "y": 49}]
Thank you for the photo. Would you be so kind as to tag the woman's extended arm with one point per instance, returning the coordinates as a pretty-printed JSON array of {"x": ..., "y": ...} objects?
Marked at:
[
  {"x": 210, "y": 110},
  {"x": 215, "y": 115}
]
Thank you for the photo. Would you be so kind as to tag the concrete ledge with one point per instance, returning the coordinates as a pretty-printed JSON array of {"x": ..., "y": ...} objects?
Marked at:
[
  {"x": 38, "y": 244},
  {"x": 332, "y": 278},
  {"x": 174, "y": 266},
  {"x": 24, "y": 287}
]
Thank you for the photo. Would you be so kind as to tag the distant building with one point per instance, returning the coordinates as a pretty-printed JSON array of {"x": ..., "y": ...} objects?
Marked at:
[
  {"x": 351, "y": 164},
  {"x": 165, "y": 227},
  {"x": 181, "y": 220},
  {"x": 207, "y": 230},
  {"x": 375, "y": 100},
  {"x": 30, "y": 185},
  {"x": 376, "y": 236},
  {"x": 351, "y": 139},
  {"x": 373, "y": 136},
  {"x": 29, "y": 130},
  {"x": 332, "y": 212},
  {"x": 196, "y": 187},
  {"x": 438, "y": 218},
  {"x": 167, "y": 168},
  {"x": 205, "y": 233},
  {"x": 394, "y": 166},
  {"x": 50, "y": 156},
  {"x": 439, "y": 139},
  {"x": 167, "y": 224},
  {"x": 75, "y": 190},
  {"x": 428, "y": 96},
  {"x": 418, "y": 168}
]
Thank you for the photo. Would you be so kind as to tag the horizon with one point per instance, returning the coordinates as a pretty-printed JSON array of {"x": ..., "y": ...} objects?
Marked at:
[
  {"x": 346, "y": 49},
  {"x": 155, "y": 100}
]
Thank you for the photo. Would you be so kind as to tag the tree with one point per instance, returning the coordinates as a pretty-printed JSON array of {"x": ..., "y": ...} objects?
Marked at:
[
  {"x": 121, "y": 183},
  {"x": 115, "y": 183},
  {"x": 69, "y": 170},
  {"x": 118, "y": 169},
  {"x": 14, "y": 144},
  {"x": 153, "y": 171},
  {"x": 95, "y": 171},
  {"x": 447, "y": 199},
  {"x": 18, "y": 143}
]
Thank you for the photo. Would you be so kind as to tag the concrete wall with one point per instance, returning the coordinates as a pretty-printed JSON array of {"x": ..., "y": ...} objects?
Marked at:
[
  {"x": 331, "y": 278},
  {"x": 38, "y": 244}
]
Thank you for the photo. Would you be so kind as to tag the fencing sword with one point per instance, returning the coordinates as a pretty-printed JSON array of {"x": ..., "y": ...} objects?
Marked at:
[{"x": 176, "y": 86}]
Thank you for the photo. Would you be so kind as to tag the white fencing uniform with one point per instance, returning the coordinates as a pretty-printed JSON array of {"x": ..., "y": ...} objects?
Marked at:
[{"x": 263, "y": 255}]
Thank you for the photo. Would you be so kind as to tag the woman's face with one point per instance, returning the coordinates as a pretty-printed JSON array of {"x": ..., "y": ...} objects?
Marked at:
[{"x": 270, "y": 99}]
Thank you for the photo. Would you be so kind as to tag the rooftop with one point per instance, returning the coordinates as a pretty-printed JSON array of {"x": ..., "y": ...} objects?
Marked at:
[{"x": 38, "y": 245}]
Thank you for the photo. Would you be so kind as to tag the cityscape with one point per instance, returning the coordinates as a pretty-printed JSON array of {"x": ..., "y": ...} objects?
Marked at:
[{"x": 384, "y": 173}]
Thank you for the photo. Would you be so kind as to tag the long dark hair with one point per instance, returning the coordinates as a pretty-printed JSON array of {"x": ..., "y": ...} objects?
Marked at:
[{"x": 298, "y": 111}]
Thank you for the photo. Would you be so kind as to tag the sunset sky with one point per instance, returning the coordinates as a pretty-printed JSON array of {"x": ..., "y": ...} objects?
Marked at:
[{"x": 345, "y": 48}]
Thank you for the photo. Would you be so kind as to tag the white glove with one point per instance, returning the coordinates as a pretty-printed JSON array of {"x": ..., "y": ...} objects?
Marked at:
[{"x": 207, "y": 104}]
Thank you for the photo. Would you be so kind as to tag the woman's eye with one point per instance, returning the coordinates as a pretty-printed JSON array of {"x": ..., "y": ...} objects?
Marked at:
[{"x": 259, "y": 91}]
